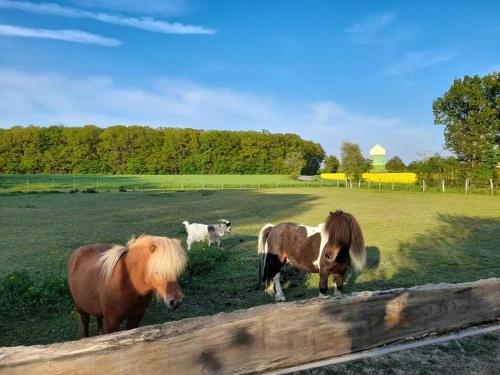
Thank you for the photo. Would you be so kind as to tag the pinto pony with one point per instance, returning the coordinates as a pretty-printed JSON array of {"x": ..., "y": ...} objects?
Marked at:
[
  {"x": 330, "y": 248},
  {"x": 114, "y": 283}
]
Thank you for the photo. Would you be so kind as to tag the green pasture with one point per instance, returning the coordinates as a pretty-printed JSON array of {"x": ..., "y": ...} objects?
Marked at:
[
  {"x": 150, "y": 182},
  {"x": 412, "y": 238},
  {"x": 65, "y": 182}
]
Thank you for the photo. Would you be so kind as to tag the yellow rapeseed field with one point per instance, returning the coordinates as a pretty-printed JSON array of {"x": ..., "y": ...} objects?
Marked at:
[{"x": 400, "y": 178}]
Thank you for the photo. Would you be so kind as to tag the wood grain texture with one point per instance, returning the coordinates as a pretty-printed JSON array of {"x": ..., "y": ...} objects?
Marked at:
[{"x": 267, "y": 337}]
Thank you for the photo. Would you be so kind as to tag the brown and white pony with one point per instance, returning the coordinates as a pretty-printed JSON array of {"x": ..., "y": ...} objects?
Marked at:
[
  {"x": 114, "y": 283},
  {"x": 330, "y": 248}
]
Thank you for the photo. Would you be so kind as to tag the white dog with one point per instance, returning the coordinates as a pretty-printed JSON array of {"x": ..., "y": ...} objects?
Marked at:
[{"x": 211, "y": 233}]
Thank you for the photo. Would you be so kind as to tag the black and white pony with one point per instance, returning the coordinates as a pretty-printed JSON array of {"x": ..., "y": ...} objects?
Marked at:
[{"x": 330, "y": 248}]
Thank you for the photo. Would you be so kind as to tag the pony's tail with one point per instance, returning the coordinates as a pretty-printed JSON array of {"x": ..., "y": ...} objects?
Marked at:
[
  {"x": 264, "y": 232},
  {"x": 262, "y": 250},
  {"x": 345, "y": 232}
]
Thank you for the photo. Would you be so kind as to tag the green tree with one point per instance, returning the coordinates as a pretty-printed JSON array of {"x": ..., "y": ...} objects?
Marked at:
[
  {"x": 470, "y": 112},
  {"x": 294, "y": 163},
  {"x": 395, "y": 165},
  {"x": 353, "y": 163},
  {"x": 435, "y": 168},
  {"x": 141, "y": 149},
  {"x": 332, "y": 164}
]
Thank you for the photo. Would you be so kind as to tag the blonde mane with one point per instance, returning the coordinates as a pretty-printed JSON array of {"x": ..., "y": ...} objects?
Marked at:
[
  {"x": 109, "y": 259},
  {"x": 167, "y": 261}
]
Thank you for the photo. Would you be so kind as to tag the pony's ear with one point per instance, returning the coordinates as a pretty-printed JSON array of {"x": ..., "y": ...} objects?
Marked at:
[{"x": 152, "y": 247}]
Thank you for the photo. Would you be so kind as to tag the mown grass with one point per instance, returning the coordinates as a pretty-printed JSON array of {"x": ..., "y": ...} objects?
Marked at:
[
  {"x": 470, "y": 355},
  {"x": 104, "y": 183},
  {"x": 145, "y": 182},
  {"x": 412, "y": 238}
]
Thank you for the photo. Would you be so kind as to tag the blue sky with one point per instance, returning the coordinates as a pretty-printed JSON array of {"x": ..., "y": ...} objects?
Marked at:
[{"x": 330, "y": 71}]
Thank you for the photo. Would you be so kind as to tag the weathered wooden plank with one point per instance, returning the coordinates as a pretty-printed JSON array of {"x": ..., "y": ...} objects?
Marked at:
[{"x": 267, "y": 337}]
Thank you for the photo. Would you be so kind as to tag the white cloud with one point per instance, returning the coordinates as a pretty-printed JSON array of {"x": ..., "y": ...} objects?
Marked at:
[
  {"x": 365, "y": 31},
  {"x": 143, "y": 23},
  {"x": 76, "y": 36},
  {"x": 417, "y": 60},
  {"x": 169, "y": 7},
  {"x": 48, "y": 98}
]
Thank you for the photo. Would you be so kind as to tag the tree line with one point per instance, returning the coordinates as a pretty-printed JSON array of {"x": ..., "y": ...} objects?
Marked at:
[{"x": 144, "y": 150}]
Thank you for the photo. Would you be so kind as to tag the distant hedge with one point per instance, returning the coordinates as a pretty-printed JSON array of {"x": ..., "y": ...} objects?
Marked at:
[{"x": 144, "y": 150}]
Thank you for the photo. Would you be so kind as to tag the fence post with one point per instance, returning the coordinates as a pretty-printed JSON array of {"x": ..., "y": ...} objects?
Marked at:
[
  {"x": 423, "y": 185},
  {"x": 321, "y": 183},
  {"x": 359, "y": 184},
  {"x": 74, "y": 183},
  {"x": 27, "y": 183},
  {"x": 442, "y": 185},
  {"x": 369, "y": 183},
  {"x": 393, "y": 185},
  {"x": 337, "y": 183},
  {"x": 141, "y": 181},
  {"x": 379, "y": 184},
  {"x": 466, "y": 185},
  {"x": 491, "y": 185},
  {"x": 97, "y": 184},
  {"x": 241, "y": 185}
]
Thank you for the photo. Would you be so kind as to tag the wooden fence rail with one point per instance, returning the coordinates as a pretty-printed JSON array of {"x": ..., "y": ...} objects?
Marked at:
[{"x": 268, "y": 337}]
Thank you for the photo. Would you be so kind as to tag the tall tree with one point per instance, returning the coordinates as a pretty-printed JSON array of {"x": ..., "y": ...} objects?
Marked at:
[
  {"x": 352, "y": 161},
  {"x": 395, "y": 165},
  {"x": 470, "y": 112},
  {"x": 332, "y": 164}
]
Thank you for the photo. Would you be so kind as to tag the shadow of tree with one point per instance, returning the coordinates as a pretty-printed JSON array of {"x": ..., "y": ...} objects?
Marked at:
[{"x": 458, "y": 249}]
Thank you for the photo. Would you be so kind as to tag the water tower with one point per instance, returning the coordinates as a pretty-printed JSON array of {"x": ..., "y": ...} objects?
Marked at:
[{"x": 377, "y": 156}]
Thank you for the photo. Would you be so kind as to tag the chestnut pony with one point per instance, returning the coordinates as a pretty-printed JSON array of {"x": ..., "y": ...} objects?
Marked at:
[
  {"x": 114, "y": 283},
  {"x": 330, "y": 248}
]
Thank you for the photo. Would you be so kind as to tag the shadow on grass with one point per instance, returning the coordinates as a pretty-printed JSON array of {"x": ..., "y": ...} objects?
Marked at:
[{"x": 458, "y": 249}]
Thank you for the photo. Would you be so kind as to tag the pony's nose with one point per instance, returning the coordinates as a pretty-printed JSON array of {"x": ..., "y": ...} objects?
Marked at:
[{"x": 175, "y": 303}]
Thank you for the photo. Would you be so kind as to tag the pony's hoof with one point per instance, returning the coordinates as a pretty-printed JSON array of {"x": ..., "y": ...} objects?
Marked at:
[
  {"x": 270, "y": 291},
  {"x": 321, "y": 295},
  {"x": 280, "y": 298}
]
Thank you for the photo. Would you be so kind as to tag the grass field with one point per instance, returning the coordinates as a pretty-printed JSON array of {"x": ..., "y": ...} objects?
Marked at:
[
  {"x": 412, "y": 238},
  {"x": 150, "y": 182},
  {"x": 66, "y": 182}
]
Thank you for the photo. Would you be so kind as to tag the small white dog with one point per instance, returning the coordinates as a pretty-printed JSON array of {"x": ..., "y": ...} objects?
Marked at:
[{"x": 202, "y": 232}]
